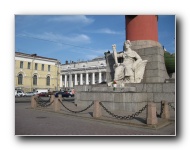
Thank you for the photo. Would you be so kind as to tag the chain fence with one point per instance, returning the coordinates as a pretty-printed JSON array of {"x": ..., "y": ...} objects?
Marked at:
[
  {"x": 161, "y": 112},
  {"x": 76, "y": 111},
  {"x": 162, "y": 108},
  {"x": 171, "y": 106},
  {"x": 123, "y": 117},
  {"x": 40, "y": 98},
  {"x": 43, "y": 103}
]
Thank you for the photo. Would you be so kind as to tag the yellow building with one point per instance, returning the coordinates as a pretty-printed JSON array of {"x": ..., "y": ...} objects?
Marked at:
[{"x": 34, "y": 72}]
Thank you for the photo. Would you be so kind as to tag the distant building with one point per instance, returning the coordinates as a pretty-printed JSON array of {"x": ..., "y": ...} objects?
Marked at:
[
  {"x": 36, "y": 72},
  {"x": 83, "y": 72}
]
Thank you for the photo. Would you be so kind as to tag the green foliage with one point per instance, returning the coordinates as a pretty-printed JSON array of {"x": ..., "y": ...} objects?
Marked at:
[{"x": 169, "y": 62}]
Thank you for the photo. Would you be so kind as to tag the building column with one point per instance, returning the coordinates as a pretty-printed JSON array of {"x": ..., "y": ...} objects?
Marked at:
[
  {"x": 87, "y": 81},
  {"x": 65, "y": 80},
  {"x": 61, "y": 81},
  {"x": 100, "y": 77},
  {"x": 76, "y": 82},
  {"x": 81, "y": 79},
  {"x": 70, "y": 80},
  {"x": 103, "y": 76},
  {"x": 93, "y": 78}
]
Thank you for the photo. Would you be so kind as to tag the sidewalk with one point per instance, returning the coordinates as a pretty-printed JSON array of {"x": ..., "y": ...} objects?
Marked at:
[{"x": 138, "y": 124}]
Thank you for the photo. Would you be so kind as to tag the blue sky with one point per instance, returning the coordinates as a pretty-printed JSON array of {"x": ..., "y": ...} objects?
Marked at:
[{"x": 79, "y": 37}]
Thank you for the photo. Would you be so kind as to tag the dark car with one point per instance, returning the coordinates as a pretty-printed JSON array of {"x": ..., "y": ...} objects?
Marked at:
[
  {"x": 52, "y": 92},
  {"x": 43, "y": 94},
  {"x": 63, "y": 93}
]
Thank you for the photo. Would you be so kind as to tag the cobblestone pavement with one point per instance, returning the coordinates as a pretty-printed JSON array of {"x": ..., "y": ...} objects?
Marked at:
[{"x": 45, "y": 122}]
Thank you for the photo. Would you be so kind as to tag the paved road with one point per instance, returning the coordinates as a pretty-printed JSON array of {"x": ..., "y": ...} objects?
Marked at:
[{"x": 41, "y": 122}]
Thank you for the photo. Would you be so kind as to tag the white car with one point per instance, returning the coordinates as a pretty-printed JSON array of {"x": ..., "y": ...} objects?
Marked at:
[{"x": 19, "y": 93}]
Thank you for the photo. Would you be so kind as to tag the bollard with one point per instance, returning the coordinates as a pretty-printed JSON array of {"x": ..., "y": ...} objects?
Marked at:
[
  {"x": 33, "y": 102},
  {"x": 97, "y": 109},
  {"x": 165, "y": 113},
  {"x": 57, "y": 104},
  {"x": 151, "y": 114},
  {"x": 52, "y": 97}
]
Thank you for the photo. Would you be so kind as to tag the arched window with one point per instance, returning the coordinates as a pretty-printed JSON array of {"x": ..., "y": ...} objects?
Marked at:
[
  {"x": 48, "y": 81},
  {"x": 35, "y": 80},
  {"x": 20, "y": 79}
]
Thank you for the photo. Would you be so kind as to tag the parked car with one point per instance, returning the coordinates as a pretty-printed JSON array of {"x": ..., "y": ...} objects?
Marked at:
[
  {"x": 64, "y": 94},
  {"x": 103, "y": 82},
  {"x": 19, "y": 93},
  {"x": 43, "y": 94},
  {"x": 72, "y": 92},
  {"x": 35, "y": 93},
  {"x": 41, "y": 91},
  {"x": 52, "y": 92},
  {"x": 29, "y": 94}
]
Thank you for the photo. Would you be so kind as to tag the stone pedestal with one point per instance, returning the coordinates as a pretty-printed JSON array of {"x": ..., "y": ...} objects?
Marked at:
[
  {"x": 131, "y": 98},
  {"x": 165, "y": 113},
  {"x": 151, "y": 114},
  {"x": 140, "y": 44},
  {"x": 33, "y": 102},
  {"x": 97, "y": 110},
  {"x": 57, "y": 104},
  {"x": 52, "y": 99}
]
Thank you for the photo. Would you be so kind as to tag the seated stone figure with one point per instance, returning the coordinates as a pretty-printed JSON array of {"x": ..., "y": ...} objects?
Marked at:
[{"x": 131, "y": 70}]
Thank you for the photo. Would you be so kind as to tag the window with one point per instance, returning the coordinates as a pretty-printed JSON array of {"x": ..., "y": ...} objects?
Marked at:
[
  {"x": 48, "y": 67},
  {"x": 48, "y": 81},
  {"x": 21, "y": 64},
  {"x": 29, "y": 65},
  {"x": 35, "y": 80},
  {"x": 36, "y": 66},
  {"x": 20, "y": 78},
  {"x": 42, "y": 67}
]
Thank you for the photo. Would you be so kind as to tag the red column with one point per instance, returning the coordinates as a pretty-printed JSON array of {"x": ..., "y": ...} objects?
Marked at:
[{"x": 141, "y": 27}]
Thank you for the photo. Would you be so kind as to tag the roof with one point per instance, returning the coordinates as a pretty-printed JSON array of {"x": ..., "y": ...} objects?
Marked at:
[{"x": 33, "y": 55}]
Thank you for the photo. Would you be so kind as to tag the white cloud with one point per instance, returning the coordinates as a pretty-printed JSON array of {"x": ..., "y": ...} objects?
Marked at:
[
  {"x": 107, "y": 31},
  {"x": 73, "y": 18},
  {"x": 59, "y": 38},
  {"x": 80, "y": 38}
]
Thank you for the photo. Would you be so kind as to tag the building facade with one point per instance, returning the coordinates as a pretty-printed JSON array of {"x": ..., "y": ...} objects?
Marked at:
[
  {"x": 83, "y": 72},
  {"x": 34, "y": 72}
]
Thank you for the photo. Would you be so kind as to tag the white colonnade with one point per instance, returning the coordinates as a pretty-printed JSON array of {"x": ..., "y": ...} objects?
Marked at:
[{"x": 86, "y": 78}]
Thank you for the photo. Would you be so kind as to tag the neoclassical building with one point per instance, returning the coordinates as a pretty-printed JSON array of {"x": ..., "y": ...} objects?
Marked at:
[
  {"x": 36, "y": 72},
  {"x": 83, "y": 72}
]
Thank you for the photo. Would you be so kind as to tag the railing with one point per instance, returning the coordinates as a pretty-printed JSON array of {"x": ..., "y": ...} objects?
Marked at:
[{"x": 150, "y": 107}]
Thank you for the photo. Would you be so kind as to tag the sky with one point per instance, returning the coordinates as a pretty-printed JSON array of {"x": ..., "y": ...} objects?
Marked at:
[{"x": 80, "y": 37}]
